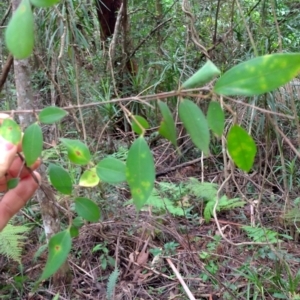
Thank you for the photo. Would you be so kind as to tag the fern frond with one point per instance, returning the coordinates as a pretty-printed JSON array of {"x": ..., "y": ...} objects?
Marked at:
[
  {"x": 112, "y": 282},
  {"x": 223, "y": 204},
  {"x": 11, "y": 241},
  {"x": 261, "y": 235},
  {"x": 206, "y": 190},
  {"x": 121, "y": 154},
  {"x": 163, "y": 204},
  {"x": 208, "y": 210},
  {"x": 174, "y": 190},
  {"x": 292, "y": 216}
]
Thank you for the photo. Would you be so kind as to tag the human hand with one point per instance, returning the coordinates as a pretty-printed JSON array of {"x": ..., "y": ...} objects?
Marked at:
[{"x": 12, "y": 166}]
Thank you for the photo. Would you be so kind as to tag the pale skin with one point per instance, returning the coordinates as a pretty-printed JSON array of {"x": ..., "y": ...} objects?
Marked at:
[{"x": 12, "y": 166}]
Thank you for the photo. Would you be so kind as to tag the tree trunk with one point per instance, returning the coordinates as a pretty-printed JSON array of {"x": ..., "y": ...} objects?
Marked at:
[{"x": 107, "y": 16}]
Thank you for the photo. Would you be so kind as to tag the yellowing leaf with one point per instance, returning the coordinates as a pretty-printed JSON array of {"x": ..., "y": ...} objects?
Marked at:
[
  {"x": 140, "y": 172},
  {"x": 11, "y": 131},
  {"x": 78, "y": 152},
  {"x": 59, "y": 248},
  {"x": 89, "y": 178},
  {"x": 259, "y": 75},
  {"x": 241, "y": 147}
]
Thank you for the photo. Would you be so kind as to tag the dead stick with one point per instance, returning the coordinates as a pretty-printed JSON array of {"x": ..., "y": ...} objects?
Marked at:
[
  {"x": 5, "y": 70},
  {"x": 185, "y": 287}
]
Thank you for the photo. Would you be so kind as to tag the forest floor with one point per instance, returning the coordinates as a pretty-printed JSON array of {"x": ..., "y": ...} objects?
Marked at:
[{"x": 154, "y": 253}]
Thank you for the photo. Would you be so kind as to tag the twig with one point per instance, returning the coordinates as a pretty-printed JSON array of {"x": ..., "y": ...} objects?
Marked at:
[
  {"x": 3, "y": 20},
  {"x": 218, "y": 223},
  {"x": 188, "y": 163},
  {"x": 78, "y": 101},
  {"x": 194, "y": 33},
  {"x": 179, "y": 277},
  {"x": 247, "y": 28},
  {"x": 143, "y": 41},
  {"x": 261, "y": 109},
  {"x": 5, "y": 70},
  {"x": 112, "y": 48},
  {"x": 63, "y": 36},
  {"x": 285, "y": 138},
  {"x": 50, "y": 77},
  {"x": 277, "y": 25},
  {"x": 147, "y": 98},
  {"x": 149, "y": 269}
]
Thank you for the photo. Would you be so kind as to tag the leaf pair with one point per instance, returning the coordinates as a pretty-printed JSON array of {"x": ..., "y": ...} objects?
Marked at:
[
  {"x": 139, "y": 171},
  {"x": 256, "y": 76},
  {"x": 32, "y": 143},
  {"x": 240, "y": 144},
  {"x": 253, "y": 77}
]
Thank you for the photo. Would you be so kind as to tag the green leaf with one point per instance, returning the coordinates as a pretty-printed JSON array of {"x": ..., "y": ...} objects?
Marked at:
[
  {"x": 215, "y": 118},
  {"x": 89, "y": 178},
  {"x": 167, "y": 126},
  {"x": 52, "y": 114},
  {"x": 44, "y": 3},
  {"x": 78, "y": 222},
  {"x": 11, "y": 131},
  {"x": 195, "y": 123},
  {"x": 12, "y": 183},
  {"x": 74, "y": 231},
  {"x": 202, "y": 76},
  {"x": 32, "y": 143},
  {"x": 259, "y": 75},
  {"x": 111, "y": 170},
  {"x": 59, "y": 248},
  {"x": 241, "y": 147},
  {"x": 19, "y": 34},
  {"x": 87, "y": 209},
  {"x": 140, "y": 172},
  {"x": 60, "y": 179},
  {"x": 78, "y": 152},
  {"x": 142, "y": 122},
  {"x": 56, "y": 297}
]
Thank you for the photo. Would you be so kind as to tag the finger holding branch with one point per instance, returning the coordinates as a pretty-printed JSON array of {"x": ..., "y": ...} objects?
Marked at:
[{"x": 12, "y": 166}]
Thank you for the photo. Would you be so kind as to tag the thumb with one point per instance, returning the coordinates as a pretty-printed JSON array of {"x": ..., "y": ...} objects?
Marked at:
[{"x": 8, "y": 152}]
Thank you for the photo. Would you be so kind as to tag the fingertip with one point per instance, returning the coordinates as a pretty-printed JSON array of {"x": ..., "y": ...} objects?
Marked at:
[{"x": 7, "y": 155}]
